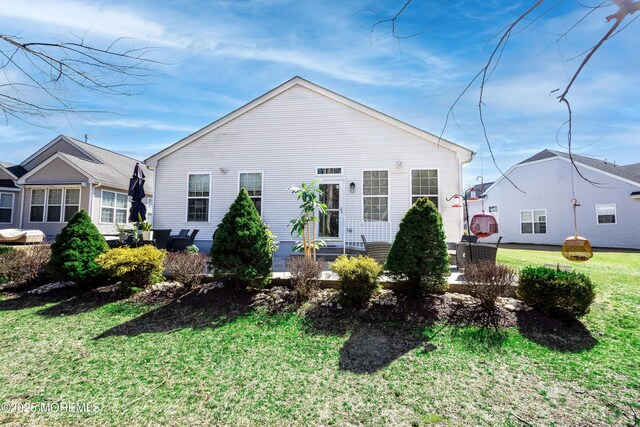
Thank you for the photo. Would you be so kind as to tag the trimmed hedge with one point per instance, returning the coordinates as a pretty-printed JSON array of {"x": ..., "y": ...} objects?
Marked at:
[
  {"x": 75, "y": 249},
  {"x": 559, "y": 293},
  {"x": 419, "y": 255},
  {"x": 358, "y": 278},
  {"x": 138, "y": 267}
]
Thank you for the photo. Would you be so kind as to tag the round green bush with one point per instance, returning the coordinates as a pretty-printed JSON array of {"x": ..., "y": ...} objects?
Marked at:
[
  {"x": 137, "y": 267},
  {"x": 559, "y": 293},
  {"x": 75, "y": 249},
  {"x": 242, "y": 245},
  {"x": 358, "y": 278},
  {"x": 419, "y": 255}
]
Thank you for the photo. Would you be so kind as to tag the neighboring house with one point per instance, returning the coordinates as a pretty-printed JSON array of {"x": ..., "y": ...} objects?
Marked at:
[
  {"x": 371, "y": 167},
  {"x": 609, "y": 211},
  {"x": 64, "y": 176}
]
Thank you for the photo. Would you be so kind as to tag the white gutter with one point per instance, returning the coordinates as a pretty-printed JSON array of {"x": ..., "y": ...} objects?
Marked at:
[{"x": 91, "y": 194}]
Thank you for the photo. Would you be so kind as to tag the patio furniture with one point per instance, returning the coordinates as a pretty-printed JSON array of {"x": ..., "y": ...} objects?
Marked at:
[
  {"x": 162, "y": 237},
  {"x": 14, "y": 235},
  {"x": 376, "y": 250},
  {"x": 476, "y": 252},
  {"x": 467, "y": 238},
  {"x": 180, "y": 243}
]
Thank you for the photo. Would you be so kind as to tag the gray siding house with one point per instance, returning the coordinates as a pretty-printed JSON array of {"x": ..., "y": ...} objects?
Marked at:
[
  {"x": 371, "y": 167},
  {"x": 64, "y": 176},
  {"x": 609, "y": 211}
]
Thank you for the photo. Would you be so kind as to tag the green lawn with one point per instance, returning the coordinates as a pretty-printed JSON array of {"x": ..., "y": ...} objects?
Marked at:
[{"x": 208, "y": 361}]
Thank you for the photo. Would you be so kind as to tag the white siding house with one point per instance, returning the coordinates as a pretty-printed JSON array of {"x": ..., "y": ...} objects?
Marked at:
[
  {"x": 300, "y": 132},
  {"x": 609, "y": 211}
]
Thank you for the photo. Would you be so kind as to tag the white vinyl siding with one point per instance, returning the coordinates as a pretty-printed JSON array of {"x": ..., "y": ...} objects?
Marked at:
[
  {"x": 375, "y": 195},
  {"x": 114, "y": 207},
  {"x": 6, "y": 208},
  {"x": 533, "y": 221},
  {"x": 606, "y": 213},
  {"x": 424, "y": 183},
  {"x": 199, "y": 190},
  {"x": 252, "y": 182}
]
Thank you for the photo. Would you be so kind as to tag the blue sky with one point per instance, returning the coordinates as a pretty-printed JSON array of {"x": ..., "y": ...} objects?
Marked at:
[{"x": 220, "y": 55}]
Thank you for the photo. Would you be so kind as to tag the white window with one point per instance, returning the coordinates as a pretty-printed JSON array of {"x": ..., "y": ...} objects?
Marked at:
[
  {"x": 113, "y": 207},
  {"x": 606, "y": 213},
  {"x": 71, "y": 203},
  {"x": 198, "y": 197},
  {"x": 38, "y": 198},
  {"x": 150, "y": 210},
  {"x": 54, "y": 205},
  {"x": 375, "y": 195},
  {"x": 6, "y": 207},
  {"x": 252, "y": 182},
  {"x": 424, "y": 183},
  {"x": 329, "y": 171},
  {"x": 533, "y": 221}
]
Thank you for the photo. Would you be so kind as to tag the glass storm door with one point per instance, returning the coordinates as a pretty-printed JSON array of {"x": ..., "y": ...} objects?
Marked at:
[{"x": 329, "y": 223}]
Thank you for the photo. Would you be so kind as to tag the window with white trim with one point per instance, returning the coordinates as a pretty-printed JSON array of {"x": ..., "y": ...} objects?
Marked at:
[
  {"x": 533, "y": 221},
  {"x": 252, "y": 182},
  {"x": 424, "y": 183},
  {"x": 54, "y": 205},
  {"x": 114, "y": 207},
  {"x": 38, "y": 199},
  {"x": 329, "y": 171},
  {"x": 375, "y": 195},
  {"x": 606, "y": 213},
  {"x": 150, "y": 210},
  {"x": 198, "y": 197},
  {"x": 71, "y": 203},
  {"x": 6, "y": 207}
]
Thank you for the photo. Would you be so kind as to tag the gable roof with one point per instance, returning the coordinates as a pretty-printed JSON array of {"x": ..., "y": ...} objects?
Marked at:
[
  {"x": 16, "y": 170},
  {"x": 630, "y": 172},
  {"x": 101, "y": 165},
  {"x": 464, "y": 152}
]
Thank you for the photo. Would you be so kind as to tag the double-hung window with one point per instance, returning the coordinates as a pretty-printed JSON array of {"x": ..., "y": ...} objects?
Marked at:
[
  {"x": 252, "y": 182},
  {"x": 424, "y": 183},
  {"x": 54, "y": 204},
  {"x": 606, "y": 213},
  {"x": 375, "y": 195},
  {"x": 113, "y": 208},
  {"x": 6, "y": 207},
  {"x": 198, "y": 197},
  {"x": 38, "y": 199},
  {"x": 71, "y": 203},
  {"x": 533, "y": 221}
]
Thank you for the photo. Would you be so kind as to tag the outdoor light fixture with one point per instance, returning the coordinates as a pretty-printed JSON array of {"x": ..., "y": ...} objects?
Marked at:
[
  {"x": 224, "y": 170},
  {"x": 352, "y": 187},
  {"x": 399, "y": 164}
]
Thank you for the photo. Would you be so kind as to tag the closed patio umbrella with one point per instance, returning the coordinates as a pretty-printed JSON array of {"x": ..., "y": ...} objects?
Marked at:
[{"x": 136, "y": 191}]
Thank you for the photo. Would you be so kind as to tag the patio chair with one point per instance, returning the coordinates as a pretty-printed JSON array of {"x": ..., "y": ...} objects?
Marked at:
[
  {"x": 476, "y": 252},
  {"x": 179, "y": 244},
  {"x": 376, "y": 250},
  {"x": 161, "y": 237}
]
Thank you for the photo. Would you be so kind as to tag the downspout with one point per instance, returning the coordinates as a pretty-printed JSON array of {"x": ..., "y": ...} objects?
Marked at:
[{"x": 22, "y": 191}]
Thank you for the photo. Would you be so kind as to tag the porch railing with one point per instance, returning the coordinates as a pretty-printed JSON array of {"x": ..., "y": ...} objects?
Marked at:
[{"x": 373, "y": 231}]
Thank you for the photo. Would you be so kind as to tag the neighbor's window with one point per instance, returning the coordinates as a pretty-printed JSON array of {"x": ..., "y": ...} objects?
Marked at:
[
  {"x": 71, "y": 203},
  {"x": 375, "y": 195},
  {"x": 113, "y": 207},
  {"x": 54, "y": 205},
  {"x": 424, "y": 183},
  {"x": 252, "y": 182},
  {"x": 533, "y": 221},
  {"x": 38, "y": 198},
  {"x": 198, "y": 197},
  {"x": 6, "y": 207},
  {"x": 150, "y": 210},
  {"x": 606, "y": 213}
]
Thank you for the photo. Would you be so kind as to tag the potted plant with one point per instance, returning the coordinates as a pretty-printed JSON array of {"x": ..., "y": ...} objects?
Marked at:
[
  {"x": 122, "y": 231},
  {"x": 145, "y": 228}
]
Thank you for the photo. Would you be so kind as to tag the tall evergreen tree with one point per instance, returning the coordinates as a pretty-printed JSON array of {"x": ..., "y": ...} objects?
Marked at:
[
  {"x": 242, "y": 246},
  {"x": 419, "y": 255},
  {"x": 74, "y": 252}
]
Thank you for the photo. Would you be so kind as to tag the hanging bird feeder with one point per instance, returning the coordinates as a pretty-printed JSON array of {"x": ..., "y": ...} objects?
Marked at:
[
  {"x": 576, "y": 248},
  {"x": 456, "y": 201},
  {"x": 483, "y": 225}
]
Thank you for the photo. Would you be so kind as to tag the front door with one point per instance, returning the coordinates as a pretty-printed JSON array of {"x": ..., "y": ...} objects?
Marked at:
[{"x": 329, "y": 223}]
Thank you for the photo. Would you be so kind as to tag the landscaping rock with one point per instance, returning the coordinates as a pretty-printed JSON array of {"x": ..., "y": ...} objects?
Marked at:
[
  {"x": 206, "y": 287},
  {"x": 51, "y": 286},
  {"x": 512, "y": 304}
]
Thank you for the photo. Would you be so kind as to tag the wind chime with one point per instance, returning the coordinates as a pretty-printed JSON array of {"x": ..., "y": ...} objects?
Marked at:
[
  {"x": 576, "y": 248},
  {"x": 483, "y": 224}
]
